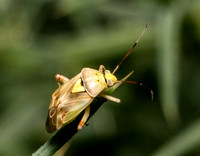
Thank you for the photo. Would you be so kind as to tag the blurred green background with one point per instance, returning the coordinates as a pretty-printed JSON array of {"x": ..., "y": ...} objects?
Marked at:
[{"x": 40, "y": 38}]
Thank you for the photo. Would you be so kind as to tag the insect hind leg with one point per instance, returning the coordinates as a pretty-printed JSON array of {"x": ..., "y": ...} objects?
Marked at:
[
  {"x": 84, "y": 118},
  {"x": 61, "y": 78}
]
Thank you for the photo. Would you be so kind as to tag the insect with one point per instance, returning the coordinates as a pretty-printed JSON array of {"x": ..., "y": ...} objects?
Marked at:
[{"x": 75, "y": 95}]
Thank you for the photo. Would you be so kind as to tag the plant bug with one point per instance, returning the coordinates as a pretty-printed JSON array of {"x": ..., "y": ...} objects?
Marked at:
[{"x": 75, "y": 95}]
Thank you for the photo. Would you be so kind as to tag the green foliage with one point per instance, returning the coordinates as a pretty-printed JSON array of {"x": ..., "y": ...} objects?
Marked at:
[{"x": 42, "y": 38}]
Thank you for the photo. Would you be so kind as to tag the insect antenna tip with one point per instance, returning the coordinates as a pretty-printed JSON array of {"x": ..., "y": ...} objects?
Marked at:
[{"x": 151, "y": 94}]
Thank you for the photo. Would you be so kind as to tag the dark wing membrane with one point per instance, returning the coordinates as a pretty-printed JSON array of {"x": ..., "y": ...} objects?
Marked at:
[
  {"x": 93, "y": 81},
  {"x": 51, "y": 120},
  {"x": 65, "y": 105}
]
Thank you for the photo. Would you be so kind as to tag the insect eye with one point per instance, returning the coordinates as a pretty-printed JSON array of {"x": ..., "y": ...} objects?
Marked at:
[{"x": 109, "y": 82}]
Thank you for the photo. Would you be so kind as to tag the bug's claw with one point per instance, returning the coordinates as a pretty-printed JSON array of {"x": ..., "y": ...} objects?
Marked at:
[{"x": 80, "y": 126}]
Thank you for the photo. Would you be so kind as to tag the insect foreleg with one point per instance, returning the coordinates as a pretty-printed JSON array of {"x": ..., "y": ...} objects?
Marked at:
[
  {"x": 84, "y": 118},
  {"x": 102, "y": 68},
  {"x": 61, "y": 78},
  {"x": 111, "y": 98}
]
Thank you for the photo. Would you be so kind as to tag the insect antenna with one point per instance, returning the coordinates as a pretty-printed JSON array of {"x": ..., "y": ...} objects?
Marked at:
[
  {"x": 136, "y": 42},
  {"x": 139, "y": 83}
]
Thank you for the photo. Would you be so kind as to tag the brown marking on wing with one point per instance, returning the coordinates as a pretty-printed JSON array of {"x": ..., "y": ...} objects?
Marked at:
[
  {"x": 65, "y": 105},
  {"x": 62, "y": 92}
]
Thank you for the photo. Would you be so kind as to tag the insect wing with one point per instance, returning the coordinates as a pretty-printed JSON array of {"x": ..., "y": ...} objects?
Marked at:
[
  {"x": 93, "y": 81},
  {"x": 70, "y": 109},
  {"x": 65, "y": 105}
]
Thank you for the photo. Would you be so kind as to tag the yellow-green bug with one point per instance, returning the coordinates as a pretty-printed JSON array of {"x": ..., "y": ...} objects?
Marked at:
[{"x": 76, "y": 94}]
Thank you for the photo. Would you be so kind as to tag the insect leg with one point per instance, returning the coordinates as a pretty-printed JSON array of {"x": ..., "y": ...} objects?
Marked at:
[
  {"x": 61, "y": 78},
  {"x": 102, "y": 68},
  {"x": 111, "y": 98},
  {"x": 84, "y": 118}
]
